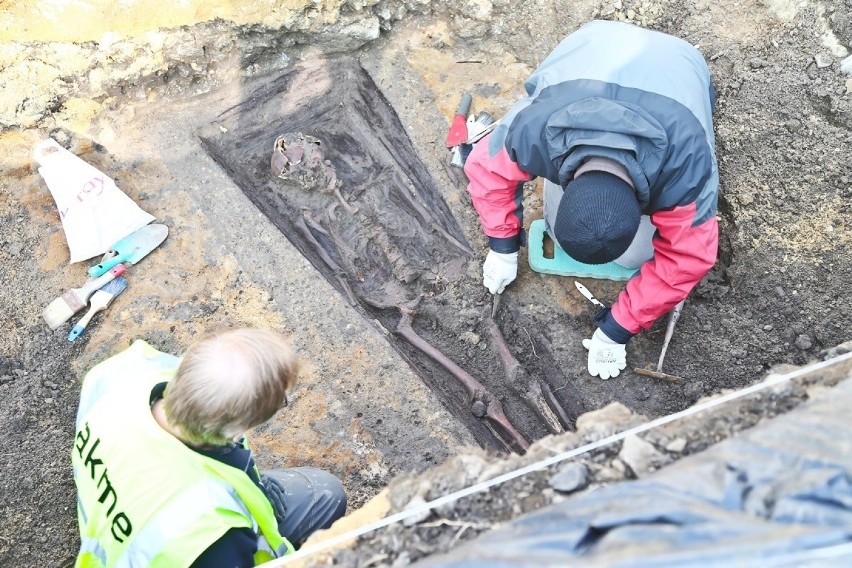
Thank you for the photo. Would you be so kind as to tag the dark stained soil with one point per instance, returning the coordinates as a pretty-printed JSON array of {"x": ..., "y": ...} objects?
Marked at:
[{"x": 354, "y": 198}]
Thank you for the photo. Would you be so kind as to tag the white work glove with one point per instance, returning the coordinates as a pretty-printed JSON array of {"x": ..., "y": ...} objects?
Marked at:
[
  {"x": 499, "y": 270},
  {"x": 606, "y": 357}
]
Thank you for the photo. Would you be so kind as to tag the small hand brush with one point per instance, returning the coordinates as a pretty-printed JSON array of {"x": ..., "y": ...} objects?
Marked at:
[
  {"x": 100, "y": 300},
  {"x": 62, "y": 308}
]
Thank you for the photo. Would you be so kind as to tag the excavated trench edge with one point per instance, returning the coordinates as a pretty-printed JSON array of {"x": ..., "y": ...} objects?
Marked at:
[{"x": 771, "y": 381}]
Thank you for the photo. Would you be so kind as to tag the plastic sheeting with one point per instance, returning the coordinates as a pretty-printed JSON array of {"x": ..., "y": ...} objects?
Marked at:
[{"x": 778, "y": 495}]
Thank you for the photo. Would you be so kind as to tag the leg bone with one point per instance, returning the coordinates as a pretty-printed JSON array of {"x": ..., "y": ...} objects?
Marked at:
[
  {"x": 530, "y": 389},
  {"x": 476, "y": 390}
]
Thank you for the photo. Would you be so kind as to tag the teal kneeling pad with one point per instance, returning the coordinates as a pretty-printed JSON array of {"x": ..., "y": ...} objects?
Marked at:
[{"x": 563, "y": 265}]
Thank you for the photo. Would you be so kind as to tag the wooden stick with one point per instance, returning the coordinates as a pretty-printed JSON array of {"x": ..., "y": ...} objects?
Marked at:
[
  {"x": 659, "y": 375},
  {"x": 673, "y": 317}
]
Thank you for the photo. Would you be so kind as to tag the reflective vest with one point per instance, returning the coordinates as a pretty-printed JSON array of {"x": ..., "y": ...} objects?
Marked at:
[{"x": 144, "y": 498}]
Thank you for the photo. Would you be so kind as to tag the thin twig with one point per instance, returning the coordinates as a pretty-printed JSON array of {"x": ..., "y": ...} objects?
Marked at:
[
  {"x": 458, "y": 536},
  {"x": 453, "y": 523},
  {"x": 376, "y": 560},
  {"x": 531, "y": 341}
]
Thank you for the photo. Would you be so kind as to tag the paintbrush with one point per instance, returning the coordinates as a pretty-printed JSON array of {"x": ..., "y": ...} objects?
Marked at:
[
  {"x": 100, "y": 300},
  {"x": 62, "y": 308}
]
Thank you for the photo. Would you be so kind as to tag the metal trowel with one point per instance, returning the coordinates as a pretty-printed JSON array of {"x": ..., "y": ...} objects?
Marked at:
[{"x": 132, "y": 248}]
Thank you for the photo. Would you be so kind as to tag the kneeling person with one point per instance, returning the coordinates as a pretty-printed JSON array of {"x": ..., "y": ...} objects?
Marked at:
[
  {"x": 618, "y": 120},
  {"x": 163, "y": 471}
]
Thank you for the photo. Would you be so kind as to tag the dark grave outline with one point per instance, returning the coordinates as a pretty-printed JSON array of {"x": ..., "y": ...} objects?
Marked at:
[{"x": 335, "y": 101}]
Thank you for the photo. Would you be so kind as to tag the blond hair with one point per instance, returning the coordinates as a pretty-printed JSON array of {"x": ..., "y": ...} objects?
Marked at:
[{"x": 229, "y": 382}]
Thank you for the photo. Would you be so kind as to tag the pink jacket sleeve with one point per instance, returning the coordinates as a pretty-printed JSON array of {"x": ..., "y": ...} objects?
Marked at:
[
  {"x": 683, "y": 254},
  {"x": 495, "y": 188}
]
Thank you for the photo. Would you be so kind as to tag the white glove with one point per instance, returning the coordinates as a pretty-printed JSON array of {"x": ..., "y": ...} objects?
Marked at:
[
  {"x": 606, "y": 357},
  {"x": 499, "y": 270}
]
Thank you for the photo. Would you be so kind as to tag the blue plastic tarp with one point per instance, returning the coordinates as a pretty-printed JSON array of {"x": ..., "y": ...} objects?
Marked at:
[{"x": 779, "y": 494}]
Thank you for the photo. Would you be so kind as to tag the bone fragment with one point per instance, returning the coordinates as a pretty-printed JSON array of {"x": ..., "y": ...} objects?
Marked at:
[
  {"x": 302, "y": 226},
  {"x": 526, "y": 387},
  {"x": 659, "y": 375},
  {"x": 334, "y": 185},
  {"x": 425, "y": 215}
]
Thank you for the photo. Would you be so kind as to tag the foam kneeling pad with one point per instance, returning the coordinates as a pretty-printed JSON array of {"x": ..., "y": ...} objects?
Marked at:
[{"x": 563, "y": 265}]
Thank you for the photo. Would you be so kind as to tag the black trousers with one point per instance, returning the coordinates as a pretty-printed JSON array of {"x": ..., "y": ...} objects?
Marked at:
[{"x": 305, "y": 500}]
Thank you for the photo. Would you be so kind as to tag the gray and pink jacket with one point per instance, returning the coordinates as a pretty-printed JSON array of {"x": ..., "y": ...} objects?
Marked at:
[{"x": 641, "y": 98}]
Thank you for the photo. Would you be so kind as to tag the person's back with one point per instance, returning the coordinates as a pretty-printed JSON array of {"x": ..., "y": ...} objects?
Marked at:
[
  {"x": 633, "y": 58},
  {"x": 618, "y": 121},
  {"x": 614, "y": 90}
]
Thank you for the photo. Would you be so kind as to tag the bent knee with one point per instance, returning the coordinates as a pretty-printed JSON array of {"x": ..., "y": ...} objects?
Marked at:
[{"x": 328, "y": 489}]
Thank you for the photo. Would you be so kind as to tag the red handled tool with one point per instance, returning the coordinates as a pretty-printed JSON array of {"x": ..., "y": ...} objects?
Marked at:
[{"x": 458, "y": 129}]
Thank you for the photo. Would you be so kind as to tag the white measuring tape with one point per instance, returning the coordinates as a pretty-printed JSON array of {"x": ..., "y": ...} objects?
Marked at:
[
  {"x": 539, "y": 465},
  {"x": 795, "y": 559}
]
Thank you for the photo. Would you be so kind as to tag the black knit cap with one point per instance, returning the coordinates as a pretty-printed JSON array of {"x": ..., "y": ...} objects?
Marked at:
[{"x": 598, "y": 217}]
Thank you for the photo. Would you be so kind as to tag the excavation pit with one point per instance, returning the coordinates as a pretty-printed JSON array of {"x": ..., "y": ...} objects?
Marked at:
[{"x": 320, "y": 151}]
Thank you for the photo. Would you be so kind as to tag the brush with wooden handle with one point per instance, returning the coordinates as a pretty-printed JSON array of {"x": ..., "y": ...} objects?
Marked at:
[
  {"x": 62, "y": 308},
  {"x": 100, "y": 300}
]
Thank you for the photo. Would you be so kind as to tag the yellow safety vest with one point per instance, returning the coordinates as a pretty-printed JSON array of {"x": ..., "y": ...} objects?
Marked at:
[{"x": 144, "y": 498}]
